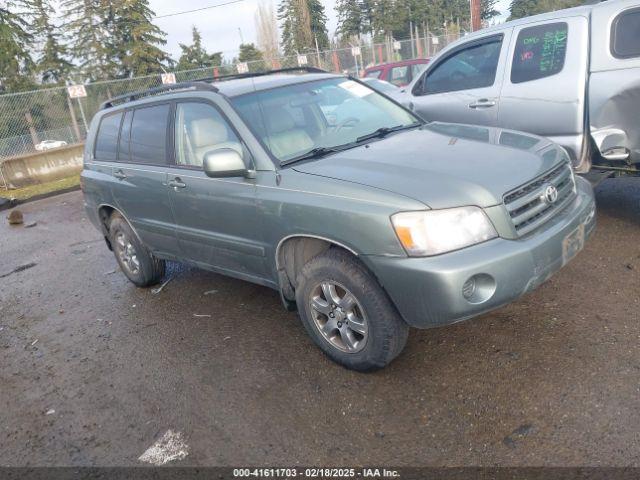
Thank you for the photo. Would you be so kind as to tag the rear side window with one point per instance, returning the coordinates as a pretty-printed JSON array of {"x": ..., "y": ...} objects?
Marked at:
[
  {"x": 107, "y": 138},
  {"x": 374, "y": 74},
  {"x": 399, "y": 75},
  {"x": 540, "y": 52},
  {"x": 625, "y": 34},
  {"x": 149, "y": 135}
]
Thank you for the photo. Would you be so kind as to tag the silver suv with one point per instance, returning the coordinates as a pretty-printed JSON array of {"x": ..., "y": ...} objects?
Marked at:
[
  {"x": 570, "y": 75},
  {"x": 363, "y": 217}
]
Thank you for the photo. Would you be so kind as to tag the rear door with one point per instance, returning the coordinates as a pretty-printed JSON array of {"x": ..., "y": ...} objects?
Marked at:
[
  {"x": 140, "y": 174},
  {"x": 463, "y": 85},
  {"x": 545, "y": 81},
  {"x": 216, "y": 218}
]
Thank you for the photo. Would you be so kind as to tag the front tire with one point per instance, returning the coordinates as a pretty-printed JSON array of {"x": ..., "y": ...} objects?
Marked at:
[
  {"x": 347, "y": 313},
  {"x": 135, "y": 260}
]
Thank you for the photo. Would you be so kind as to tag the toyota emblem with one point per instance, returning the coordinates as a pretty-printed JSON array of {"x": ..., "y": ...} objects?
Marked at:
[{"x": 550, "y": 194}]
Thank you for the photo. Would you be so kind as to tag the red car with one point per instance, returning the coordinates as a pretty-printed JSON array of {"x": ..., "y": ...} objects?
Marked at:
[{"x": 399, "y": 73}]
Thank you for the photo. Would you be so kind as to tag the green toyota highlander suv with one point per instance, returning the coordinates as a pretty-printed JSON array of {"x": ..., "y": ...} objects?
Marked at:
[{"x": 366, "y": 219}]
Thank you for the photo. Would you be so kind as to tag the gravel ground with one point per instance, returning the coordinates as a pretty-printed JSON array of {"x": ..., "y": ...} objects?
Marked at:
[{"x": 94, "y": 370}]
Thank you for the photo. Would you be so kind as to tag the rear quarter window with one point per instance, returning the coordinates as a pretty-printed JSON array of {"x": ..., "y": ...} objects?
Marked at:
[
  {"x": 625, "y": 34},
  {"x": 107, "y": 137},
  {"x": 540, "y": 52}
]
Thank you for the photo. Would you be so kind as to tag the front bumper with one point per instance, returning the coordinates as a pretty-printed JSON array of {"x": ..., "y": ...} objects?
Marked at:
[{"x": 428, "y": 292}]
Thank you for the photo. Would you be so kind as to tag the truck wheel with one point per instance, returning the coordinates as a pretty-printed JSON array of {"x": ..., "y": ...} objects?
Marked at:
[
  {"x": 136, "y": 261},
  {"x": 347, "y": 313}
]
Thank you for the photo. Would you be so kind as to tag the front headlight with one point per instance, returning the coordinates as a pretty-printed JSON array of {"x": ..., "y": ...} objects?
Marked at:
[{"x": 433, "y": 232}]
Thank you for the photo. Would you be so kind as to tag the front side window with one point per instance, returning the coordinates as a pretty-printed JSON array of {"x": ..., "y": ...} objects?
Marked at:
[
  {"x": 473, "y": 67},
  {"x": 540, "y": 52},
  {"x": 149, "y": 135},
  {"x": 107, "y": 137},
  {"x": 291, "y": 121},
  {"x": 625, "y": 34},
  {"x": 199, "y": 129}
]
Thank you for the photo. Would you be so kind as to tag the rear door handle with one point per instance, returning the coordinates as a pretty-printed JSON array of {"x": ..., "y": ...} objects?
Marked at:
[
  {"x": 119, "y": 174},
  {"x": 483, "y": 103},
  {"x": 176, "y": 183}
]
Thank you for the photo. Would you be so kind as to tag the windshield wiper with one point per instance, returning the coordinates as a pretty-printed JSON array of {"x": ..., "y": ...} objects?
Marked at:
[
  {"x": 316, "y": 152},
  {"x": 384, "y": 131}
]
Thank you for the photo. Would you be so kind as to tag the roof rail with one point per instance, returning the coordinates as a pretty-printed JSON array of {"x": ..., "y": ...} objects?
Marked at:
[
  {"x": 199, "y": 84},
  {"x": 131, "y": 96},
  {"x": 233, "y": 76}
]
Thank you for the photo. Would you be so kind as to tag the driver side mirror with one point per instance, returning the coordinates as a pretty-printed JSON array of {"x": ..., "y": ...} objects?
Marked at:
[{"x": 224, "y": 162}]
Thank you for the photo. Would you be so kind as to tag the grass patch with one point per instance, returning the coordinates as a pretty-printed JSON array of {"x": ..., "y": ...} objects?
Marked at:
[{"x": 33, "y": 190}]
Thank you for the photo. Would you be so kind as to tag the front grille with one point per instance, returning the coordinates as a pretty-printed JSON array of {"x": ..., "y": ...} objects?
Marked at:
[{"x": 526, "y": 204}]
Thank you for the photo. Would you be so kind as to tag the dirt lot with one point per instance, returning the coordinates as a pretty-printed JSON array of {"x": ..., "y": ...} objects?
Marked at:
[{"x": 94, "y": 370}]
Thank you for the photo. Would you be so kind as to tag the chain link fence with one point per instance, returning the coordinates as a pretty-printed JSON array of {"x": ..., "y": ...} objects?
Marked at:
[{"x": 29, "y": 118}]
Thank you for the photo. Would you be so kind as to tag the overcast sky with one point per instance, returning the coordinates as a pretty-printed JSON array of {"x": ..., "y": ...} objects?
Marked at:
[{"x": 219, "y": 26}]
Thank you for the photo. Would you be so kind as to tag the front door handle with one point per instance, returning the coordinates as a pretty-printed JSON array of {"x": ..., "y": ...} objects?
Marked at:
[
  {"x": 483, "y": 103},
  {"x": 176, "y": 183},
  {"x": 119, "y": 174}
]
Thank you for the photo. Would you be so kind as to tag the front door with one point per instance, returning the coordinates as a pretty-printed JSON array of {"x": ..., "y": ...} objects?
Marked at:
[
  {"x": 216, "y": 218},
  {"x": 463, "y": 86}
]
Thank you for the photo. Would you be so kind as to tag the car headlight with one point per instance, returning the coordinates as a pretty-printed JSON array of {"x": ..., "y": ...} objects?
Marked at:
[{"x": 433, "y": 232}]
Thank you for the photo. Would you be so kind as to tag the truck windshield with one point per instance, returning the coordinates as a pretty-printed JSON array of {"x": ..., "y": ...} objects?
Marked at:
[{"x": 314, "y": 118}]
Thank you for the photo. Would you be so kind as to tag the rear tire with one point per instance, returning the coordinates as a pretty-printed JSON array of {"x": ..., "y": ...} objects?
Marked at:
[
  {"x": 135, "y": 260},
  {"x": 347, "y": 313}
]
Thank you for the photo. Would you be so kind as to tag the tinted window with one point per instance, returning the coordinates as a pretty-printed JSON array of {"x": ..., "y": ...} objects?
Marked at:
[
  {"x": 539, "y": 52},
  {"x": 473, "y": 67},
  {"x": 200, "y": 129},
  {"x": 149, "y": 135},
  {"x": 125, "y": 135},
  {"x": 625, "y": 34},
  {"x": 107, "y": 138},
  {"x": 373, "y": 74}
]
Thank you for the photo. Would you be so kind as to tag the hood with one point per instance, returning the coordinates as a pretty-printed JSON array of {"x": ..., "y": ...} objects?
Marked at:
[{"x": 444, "y": 165}]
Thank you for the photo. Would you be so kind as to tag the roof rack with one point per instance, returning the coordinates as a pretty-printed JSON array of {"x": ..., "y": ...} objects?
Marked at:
[
  {"x": 233, "y": 76},
  {"x": 199, "y": 84},
  {"x": 131, "y": 96}
]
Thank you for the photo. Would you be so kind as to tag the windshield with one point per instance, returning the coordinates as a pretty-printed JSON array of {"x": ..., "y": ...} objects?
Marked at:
[{"x": 296, "y": 119}]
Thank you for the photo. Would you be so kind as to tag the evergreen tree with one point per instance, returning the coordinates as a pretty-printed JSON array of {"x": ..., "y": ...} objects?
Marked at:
[
  {"x": 89, "y": 24},
  {"x": 488, "y": 9},
  {"x": 524, "y": 8},
  {"x": 350, "y": 18},
  {"x": 252, "y": 55},
  {"x": 318, "y": 24},
  {"x": 16, "y": 63},
  {"x": 52, "y": 65},
  {"x": 136, "y": 40},
  {"x": 303, "y": 23},
  {"x": 195, "y": 55},
  {"x": 249, "y": 53}
]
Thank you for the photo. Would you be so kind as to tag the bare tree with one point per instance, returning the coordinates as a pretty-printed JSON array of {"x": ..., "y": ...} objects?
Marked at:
[{"x": 267, "y": 32}]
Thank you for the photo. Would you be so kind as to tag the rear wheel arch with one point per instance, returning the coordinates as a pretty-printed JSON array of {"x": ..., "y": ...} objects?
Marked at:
[{"x": 106, "y": 213}]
